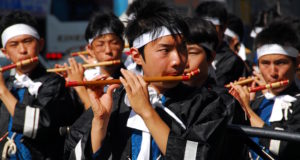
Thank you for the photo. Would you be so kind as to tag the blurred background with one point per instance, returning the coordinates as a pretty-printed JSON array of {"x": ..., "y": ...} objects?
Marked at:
[{"x": 63, "y": 22}]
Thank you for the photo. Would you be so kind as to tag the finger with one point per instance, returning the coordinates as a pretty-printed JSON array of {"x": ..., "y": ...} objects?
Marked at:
[
  {"x": 126, "y": 86},
  {"x": 131, "y": 79},
  {"x": 84, "y": 58},
  {"x": 144, "y": 84},
  {"x": 69, "y": 71},
  {"x": 73, "y": 64},
  {"x": 111, "y": 89}
]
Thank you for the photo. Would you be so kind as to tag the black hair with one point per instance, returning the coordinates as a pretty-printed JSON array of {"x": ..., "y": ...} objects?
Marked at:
[
  {"x": 236, "y": 25},
  {"x": 100, "y": 21},
  {"x": 149, "y": 15},
  {"x": 202, "y": 31},
  {"x": 277, "y": 32},
  {"x": 265, "y": 17},
  {"x": 17, "y": 17},
  {"x": 212, "y": 9}
]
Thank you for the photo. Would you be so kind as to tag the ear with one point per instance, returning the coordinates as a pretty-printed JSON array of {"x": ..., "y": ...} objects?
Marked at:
[
  {"x": 213, "y": 55},
  {"x": 136, "y": 56},
  {"x": 41, "y": 44},
  {"x": 89, "y": 48},
  {"x": 4, "y": 51}
]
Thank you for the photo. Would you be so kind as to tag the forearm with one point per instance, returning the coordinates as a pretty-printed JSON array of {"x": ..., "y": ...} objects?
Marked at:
[
  {"x": 158, "y": 129},
  {"x": 9, "y": 101},
  {"x": 83, "y": 95},
  {"x": 255, "y": 120},
  {"x": 98, "y": 133}
]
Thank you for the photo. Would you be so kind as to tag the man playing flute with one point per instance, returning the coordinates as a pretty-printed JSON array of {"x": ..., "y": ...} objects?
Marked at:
[
  {"x": 277, "y": 48},
  {"x": 201, "y": 45},
  {"x": 34, "y": 103},
  {"x": 104, "y": 35},
  {"x": 178, "y": 122},
  {"x": 227, "y": 65}
]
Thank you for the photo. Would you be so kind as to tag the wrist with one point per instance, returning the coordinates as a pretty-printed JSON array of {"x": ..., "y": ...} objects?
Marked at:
[
  {"x": 147, "y": 113},
  {"x": 3, "y": 91}
]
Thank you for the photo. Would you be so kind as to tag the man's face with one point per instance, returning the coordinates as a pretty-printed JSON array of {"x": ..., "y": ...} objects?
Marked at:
[
  {"x": 277, "y": 67},
  {"x": 106, "y": 47},
  {"x": 23, "y": 47},
  {"x": 164, "y": 56},
  {"x": 197, "y": 59}
]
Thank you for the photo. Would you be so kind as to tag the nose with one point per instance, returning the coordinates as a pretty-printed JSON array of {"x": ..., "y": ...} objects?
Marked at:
[
  {"x": 274, "y": 71},
  {"x": 107, "y": 49},
  {"x": 175, "y": 58},
  {"x": 22, "y": 49}
]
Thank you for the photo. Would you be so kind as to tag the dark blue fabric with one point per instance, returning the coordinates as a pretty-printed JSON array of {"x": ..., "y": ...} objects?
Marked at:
[
  {"x": 136, "y": 140},
  {"x": 22, "y": 151},
  {"x": 264, "y": 112}
]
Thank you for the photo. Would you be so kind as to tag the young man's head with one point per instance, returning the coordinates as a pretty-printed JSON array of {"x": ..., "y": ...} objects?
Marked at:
[
  {"x": 234, "y": 32},
  {"x": 277, "y": 51},
  {"x": 216, "y": 13},
  {"x": 156, "y": 37},
  {"x": 20, "y": 38},
  {"x": 104, "y": 35},
  {"x": 201, "y": 46}
]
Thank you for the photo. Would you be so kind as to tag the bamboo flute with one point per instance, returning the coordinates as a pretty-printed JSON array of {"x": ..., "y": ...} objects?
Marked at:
[
  {"x": 18, "y": 64},
  {"x": 269, "y": 86},
  {"x": 147, "y": 79},
  {"x": 242, "y": 82},
  {"x": 106, "y": 63}
]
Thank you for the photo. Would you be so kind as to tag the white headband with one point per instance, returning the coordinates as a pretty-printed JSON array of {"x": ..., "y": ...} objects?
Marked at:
[
  {"x": 255, "y": 31},
  {"x": 16, "y": 30},
  {"x": 208, "y": 46},
  {"x": 150, "y": 36},
  {"x": 103, "y": 32},
  {"x": 276, "y": 49},
  {"x": 230, "y": 33},
  {"x": 213, "y": 20}
]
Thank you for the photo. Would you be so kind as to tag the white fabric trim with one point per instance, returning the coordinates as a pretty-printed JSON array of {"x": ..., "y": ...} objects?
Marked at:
[
  {"x": 256, "y": 31},
  {"x": 136, "y": 122},
  {"x": 231, "y": 33},
  {"x": 281, "y": 107},
  {"x": 275, "y": 144},
  {"x": 91, "y": 73},
  {"x": 242, "y": 52},
  {"x": 144, "y": 153},
  {"x": 78, "y": 151},
  {"x": 103, "y": 32},
  {"x": 214, "y": 20},
  {"x": 31, "y": 121},
  {"x": 276, "y": 49},
  {"x": 150, "y": 36},
  {"x": 16, "y": 30},
  {"x": 36, "y": 123},
  {"x": 190, "y": 152}
]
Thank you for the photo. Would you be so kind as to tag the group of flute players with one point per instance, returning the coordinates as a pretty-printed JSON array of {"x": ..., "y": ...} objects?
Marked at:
[{"x": 171, "y": 103}]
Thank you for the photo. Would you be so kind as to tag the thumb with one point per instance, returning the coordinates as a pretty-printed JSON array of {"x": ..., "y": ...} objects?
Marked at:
[{"x": 111, "y": 88}]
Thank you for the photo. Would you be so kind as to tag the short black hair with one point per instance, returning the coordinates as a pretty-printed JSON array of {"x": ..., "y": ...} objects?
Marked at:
[
  {"x": 236, "y": 25},
  {"x": 101, "y": 20},
  {"x": 18, "y": 17},
  {"x": 212, "y": 9},
  {"x": 202, "y": 31},
  {"x": 149, "y": 15},
  {"x": 278, "y": 32},
  {"x": 265, "y": 17}
]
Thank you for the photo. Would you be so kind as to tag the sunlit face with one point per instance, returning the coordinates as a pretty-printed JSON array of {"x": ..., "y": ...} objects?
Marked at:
[
  {"x": 23, "y": 47},
  {"x": 197, "y": 58},
  {"x": 277, "y": 67},
  {"x": 164, "y": 56},
  {"x": 106, "y": 47}
]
